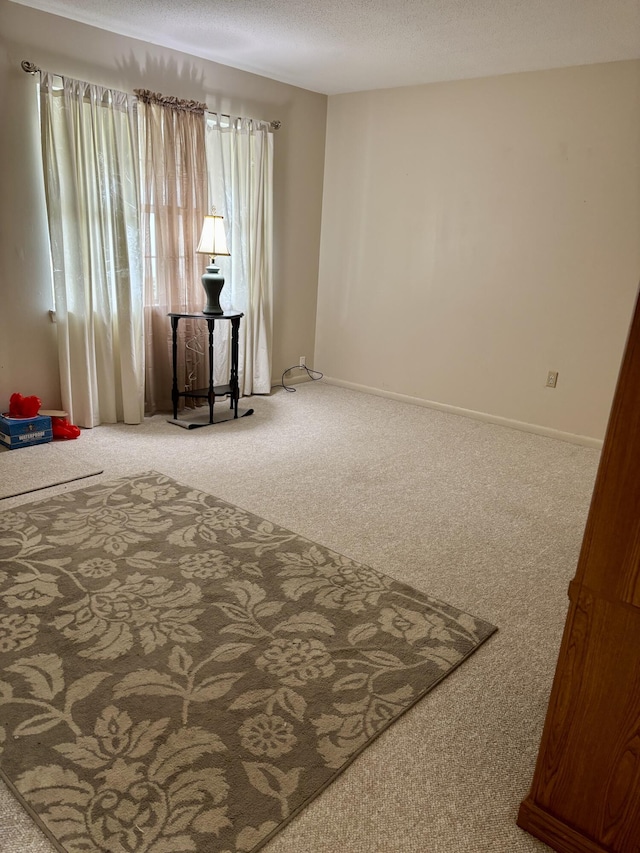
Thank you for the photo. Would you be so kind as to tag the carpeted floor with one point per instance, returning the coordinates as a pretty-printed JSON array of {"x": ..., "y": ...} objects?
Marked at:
[
  {"x": 483, "y": 517},
  {"x": 42, "y": 466}
]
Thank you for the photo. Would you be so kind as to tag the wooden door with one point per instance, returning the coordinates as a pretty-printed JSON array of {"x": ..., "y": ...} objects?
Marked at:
[{"x": 585, "y": 794}]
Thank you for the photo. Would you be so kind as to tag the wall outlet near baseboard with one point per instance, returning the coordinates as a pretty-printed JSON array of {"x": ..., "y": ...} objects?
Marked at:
[
  {"x": 303, "y": 361},
  {"x": 552, "y": 378}
]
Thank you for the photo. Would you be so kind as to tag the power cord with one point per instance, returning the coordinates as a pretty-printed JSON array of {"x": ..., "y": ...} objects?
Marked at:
[{"x": 315, "y": 378}]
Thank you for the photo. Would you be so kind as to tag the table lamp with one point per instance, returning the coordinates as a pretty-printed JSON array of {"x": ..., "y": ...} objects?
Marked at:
[{"x": 213, "y": 242}]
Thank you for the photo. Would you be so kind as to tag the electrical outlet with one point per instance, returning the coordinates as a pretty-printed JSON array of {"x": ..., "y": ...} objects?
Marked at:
[
  {"x": 303, "y": 361},
  {"x": 552, "y": 378}
]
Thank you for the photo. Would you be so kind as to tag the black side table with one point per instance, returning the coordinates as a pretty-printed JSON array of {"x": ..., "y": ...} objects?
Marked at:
[{"x": 212, "y": 391}]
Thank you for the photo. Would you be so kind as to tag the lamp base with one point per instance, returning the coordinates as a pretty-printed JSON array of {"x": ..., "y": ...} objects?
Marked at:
[{"x": 213, "y": 283}]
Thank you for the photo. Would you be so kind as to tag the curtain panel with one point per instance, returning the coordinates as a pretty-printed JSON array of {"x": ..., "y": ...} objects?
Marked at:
[
  {"x": 90, "y": 151},
  {"x": 240, "y": 180},
  {"x": 174, "y": 204}
]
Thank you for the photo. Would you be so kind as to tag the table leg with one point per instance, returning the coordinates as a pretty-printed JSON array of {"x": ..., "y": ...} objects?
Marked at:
[
  {"x": 174, "y": 353},
  {"x": 233, "y": 381},
  {"x": 210, "y": 326}
]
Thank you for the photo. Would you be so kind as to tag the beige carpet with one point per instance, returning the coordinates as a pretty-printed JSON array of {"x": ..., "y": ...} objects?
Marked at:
[
  {"x": 486, "y": 518},
  {"x": 183, "y": 675},
  {"x": 29, "y": 469}
]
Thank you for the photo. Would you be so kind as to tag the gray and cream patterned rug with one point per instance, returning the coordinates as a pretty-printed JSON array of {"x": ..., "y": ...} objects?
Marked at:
[{"x": 181, "y": 675}]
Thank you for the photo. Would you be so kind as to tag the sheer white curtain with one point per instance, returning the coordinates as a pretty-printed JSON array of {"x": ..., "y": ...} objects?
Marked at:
[
  {"x": 174, "y": 199},
  {"x": 240, "y": 177},
  {"x": 91, "y": 175}
]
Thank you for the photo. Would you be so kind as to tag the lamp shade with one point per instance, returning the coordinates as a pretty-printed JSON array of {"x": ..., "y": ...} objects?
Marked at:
[{"x": 213, "y": 240}]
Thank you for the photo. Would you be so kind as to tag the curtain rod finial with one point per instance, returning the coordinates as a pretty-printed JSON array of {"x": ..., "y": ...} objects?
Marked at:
[
  {"x": 276, "y": 125},
  {"x": 29, "y": 67}
]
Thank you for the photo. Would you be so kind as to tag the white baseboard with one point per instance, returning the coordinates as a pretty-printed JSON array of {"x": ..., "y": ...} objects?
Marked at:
[{"x": 584, "y": 440}]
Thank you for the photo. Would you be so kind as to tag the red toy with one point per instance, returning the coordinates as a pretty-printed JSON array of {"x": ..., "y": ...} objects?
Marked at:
[
  {"x": 61, "y": 428},
  {"x": 23, "y": 407}
]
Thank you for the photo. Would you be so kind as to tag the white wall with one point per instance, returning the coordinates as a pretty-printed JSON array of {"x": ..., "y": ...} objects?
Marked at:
[
  {"x": 28, "y": 361},
  {"x": 477, "y": 234}
]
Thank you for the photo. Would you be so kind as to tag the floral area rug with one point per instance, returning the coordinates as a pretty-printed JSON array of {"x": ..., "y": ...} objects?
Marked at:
[{"x": 181, "y": 675}]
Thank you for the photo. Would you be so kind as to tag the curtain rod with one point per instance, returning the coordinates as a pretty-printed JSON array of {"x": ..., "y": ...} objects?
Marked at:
[{"x": 32, "y": 68}]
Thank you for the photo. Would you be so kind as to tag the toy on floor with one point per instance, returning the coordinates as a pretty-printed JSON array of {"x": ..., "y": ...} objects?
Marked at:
[
  {"x": 61, "y": 428},
  {"x": 60, "y": 425},
  {"x": 23, "y": 407}
]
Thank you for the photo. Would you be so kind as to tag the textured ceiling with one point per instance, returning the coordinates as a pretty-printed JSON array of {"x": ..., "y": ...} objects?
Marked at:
[{"x": 334, "y": 46}]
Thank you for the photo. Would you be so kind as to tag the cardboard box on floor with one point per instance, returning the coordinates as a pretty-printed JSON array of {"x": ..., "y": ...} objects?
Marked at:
[{"x": 24, "y": 432}]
